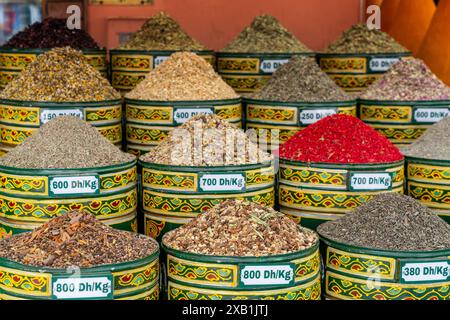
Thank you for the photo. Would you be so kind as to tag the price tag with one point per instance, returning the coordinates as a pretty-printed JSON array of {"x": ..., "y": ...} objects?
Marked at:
[
  {"x": 258, "y": 275},
  {"x": 270, "y": 66},
  {"x": 159, "y": 59},
  {"x": 430, "y": 114},
  {"x": 381, "y": 64},
  {"x": 222, "y": 182},
  {"x": 181, "y": 115},
  {"x": 83, "y": 287},
  {"x": 427, "y": 271},
  {"x": 74, "y": 185},
  {"x": 310, "y": 116},
  {"x": 370, "y": 181},
  {"x": 48, "y": 114}
]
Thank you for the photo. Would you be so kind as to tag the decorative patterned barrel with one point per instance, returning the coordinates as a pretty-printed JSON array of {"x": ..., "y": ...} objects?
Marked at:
[
  {"x": 134, "y": 280},
  {"x": 149, "y": 122},
  {"x": 171, "y": 195},
  {"x": 294, "y": 276},
  {"x": 129, "y": 67},
  {"x": 355, "y": 72},
  {"x": 317, "y": 192},
  {"x": 278, "y": 121},
  {"x": 402, "y": 121},
  {"x": 30, "y": 197},
  {"x": 19, "y": 119},
  {"x": 428, "y": 181},
  {"x": 356, "y": 273},
  {"x": 249, "y": 72},
  {"x": 13, "y": 61}
]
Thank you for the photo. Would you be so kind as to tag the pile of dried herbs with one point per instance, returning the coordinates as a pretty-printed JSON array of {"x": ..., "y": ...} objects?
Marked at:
[
  {"x": 301, "y": 79},
  {"x": 265, "y": 34},
  {"x": 390, "y": 221},
  {"x": 408, "y": 80},
  {"x": 240, "y": 228},
  {"x": 433, "y": 144},
  {"x": 183, "y": 76},
  {"x": 51, "y": 33},
  {"x": 76, "y": 239},
  {"x": 161, "y": 32},
  {"x": 206, "y": 140},
  {"x": 65, "y": 142},
  {"x": 60, "y": 75},
  {"x": 360, "y": 39}
]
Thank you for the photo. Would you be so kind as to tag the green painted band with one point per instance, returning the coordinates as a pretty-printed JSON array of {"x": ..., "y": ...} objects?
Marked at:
[
  {"x": 434, "y": 162},
  {"x": 408, "y": 103},
  {"x": 65, "y": 104},
  {"x": 262, "y": 55},
  {"x": 40, "y": 50},
  {"x": 364, "y": 55},
  {"x": 326, "y": 104},
  {"x": 174, "y": 168},
  {"x": 346, "y": 166},
  {"x": 156, "y": 52},
  {"x": 183, "y": 103}
]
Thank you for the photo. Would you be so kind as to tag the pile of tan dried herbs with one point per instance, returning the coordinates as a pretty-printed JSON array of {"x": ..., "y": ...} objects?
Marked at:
[
  {"x": 301, "y": 79},
  {"x": 265, "y": 34},
  {"x": 76, "y": 239},
  {"x": 65, "y": 142},
  {"x": 240, "y": 228},
  {"x": 183, "y": 76},
  {"x": 390, "y": 221},
  {"x": 360, "y": 39},
  {"x": 206, "y": 140},
  {"x": 60, "y": 75},
  {"x": 408, "y": 80},
  {"x": 161, "y": 32}
]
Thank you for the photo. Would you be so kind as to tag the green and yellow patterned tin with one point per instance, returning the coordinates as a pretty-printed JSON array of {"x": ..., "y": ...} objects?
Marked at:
[
  {"x": 402, "y": 122},
  {"x": 278, "y": 121},
  {"x": 134, "y": 280},
  {"x": 13, "y": 61},
  {"x": 20, "y": 119},
  {"x": 177, "y": 193},
  {"x": 293, "y": 276},
  {"x": 31, "y": 197},
  {"x": 428, "y": 181},
  {"x": 355, "y": 72},
  {"x": 156, "y": 225},
  {"x": 129, "y": 67},
  {"x": 316, "y": 192},
  {"x": 149, "y": 122},
  {"x": 357, "y": 273},
  {"x": 249, "y": 72}
]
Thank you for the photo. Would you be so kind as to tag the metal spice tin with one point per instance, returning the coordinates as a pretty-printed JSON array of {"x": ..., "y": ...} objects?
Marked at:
[
  {"x": 30, "y": 197},
  {"x": 184, "y": 192},
  {"x": 133, "y": 280},
  {"x": 354, "y": 72},
  {"x": 293, "y": 276},
  {"x": 289, "y": 117},
  {"x": 156, "y": 225},
  {"x": 149, "y": 122},
  {"x": 357, "y": 273},
  {"x": 19, "y": 119},
  {"x": 428, "y": 181},
  {"x": 316, "y": 192},
  {"x": 129, "y": 67},
  {"x": 13, "y": 61},
  {"x": 402, "y": 122},
  {"x": 249, "y": 72}
]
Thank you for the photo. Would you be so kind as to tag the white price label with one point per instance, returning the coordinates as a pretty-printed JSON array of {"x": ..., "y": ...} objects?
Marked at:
[
  {"x": 271, "y": 66},
  {"x": 82, "y": 288},
  {"x": 74, "y": 185},
  {"x": 425, "y": 271},
  {"x": 181, "y": 115},
  {"x": 381, "y": 64},
  {"x": 222, "y": 182},
  {"x": 267, "y": 275},
  {"x": 370, "y": 181},
  {"x": 430, "y": 114},
  {"x": 310, "y": 116},
  {"x": 48, "y": 114},
  {"x": 160, "y": 59}
]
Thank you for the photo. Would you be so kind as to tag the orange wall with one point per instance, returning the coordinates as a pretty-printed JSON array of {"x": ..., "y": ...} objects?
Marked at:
[{"x": 216, "y": 22}]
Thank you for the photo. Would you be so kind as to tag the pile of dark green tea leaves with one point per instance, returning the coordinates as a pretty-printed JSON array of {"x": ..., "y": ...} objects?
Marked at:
[
  {"x": 390, "y": 221},
  {"x": 301, "y": 79}
]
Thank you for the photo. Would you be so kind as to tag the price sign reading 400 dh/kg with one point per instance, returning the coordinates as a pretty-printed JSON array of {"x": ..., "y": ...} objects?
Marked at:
[{"x": 181, "y": 115}]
